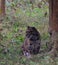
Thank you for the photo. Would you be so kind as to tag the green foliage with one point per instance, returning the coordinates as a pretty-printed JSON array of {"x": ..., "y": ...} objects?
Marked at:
[{"x": 45, "y": 36}]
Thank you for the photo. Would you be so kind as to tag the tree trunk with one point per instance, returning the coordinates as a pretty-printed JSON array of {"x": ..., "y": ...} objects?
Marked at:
[
  {"x": 2, "y": 8},
  {"x": 53, "y": 24}
]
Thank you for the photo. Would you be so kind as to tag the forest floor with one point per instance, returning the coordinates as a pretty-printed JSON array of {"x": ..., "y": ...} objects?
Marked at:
[
  {"x": 12, "y": 37},
  {"x": 12, "y": 34}
]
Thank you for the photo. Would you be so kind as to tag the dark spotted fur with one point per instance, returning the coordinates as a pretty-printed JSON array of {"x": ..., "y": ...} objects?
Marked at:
[{"x": 32, "y": 41}]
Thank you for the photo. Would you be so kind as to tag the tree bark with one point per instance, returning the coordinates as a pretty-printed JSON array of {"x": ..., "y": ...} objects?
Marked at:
[
  {"x": 2, "y": 7},
  {"x": 53, "y": 24}
]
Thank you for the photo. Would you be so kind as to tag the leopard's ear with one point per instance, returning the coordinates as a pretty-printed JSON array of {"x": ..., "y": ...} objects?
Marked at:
[{"x": 28, "y": 27}]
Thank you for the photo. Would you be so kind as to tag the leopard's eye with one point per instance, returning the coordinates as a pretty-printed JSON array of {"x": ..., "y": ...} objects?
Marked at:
[{"x": 30, "y": 44}]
